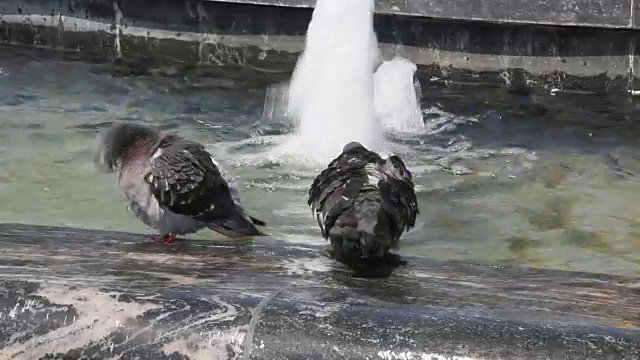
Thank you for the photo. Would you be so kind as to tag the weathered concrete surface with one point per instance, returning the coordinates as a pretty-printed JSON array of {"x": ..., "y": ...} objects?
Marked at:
[
  {"x": 595, "y": 13},
  {"x": 146, "y": 35},
  {"x": 69, "y": 293}
]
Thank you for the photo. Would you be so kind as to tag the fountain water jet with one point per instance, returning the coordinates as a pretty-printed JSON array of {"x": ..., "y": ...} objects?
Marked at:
[
  {"x": 396, "y": 98},
  {"x": 331, "y": 91},
  {"x": 340, "y": 91}
]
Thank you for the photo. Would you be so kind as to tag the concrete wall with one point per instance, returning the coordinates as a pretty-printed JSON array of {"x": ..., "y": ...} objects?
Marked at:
[
  {"x": 591, "y": 47},
  {"x": 597, "y": 13}
]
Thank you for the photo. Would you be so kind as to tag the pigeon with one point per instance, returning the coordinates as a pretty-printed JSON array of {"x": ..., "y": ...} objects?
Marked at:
[
  {"x": 363, "y": 204},
  {"x": 172, "y": 184}
]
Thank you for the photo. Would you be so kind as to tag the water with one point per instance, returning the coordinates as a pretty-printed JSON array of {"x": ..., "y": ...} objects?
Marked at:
[
  {"x": 395, "y": 101},
  {"x": 341, "y": 90},
  {"x": 332, "y": 89},
  {"x": 544, "y": 181}
]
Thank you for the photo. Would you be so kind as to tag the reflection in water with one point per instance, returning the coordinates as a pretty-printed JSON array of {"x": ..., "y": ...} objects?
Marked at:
[{"x": 546, "y": 181}]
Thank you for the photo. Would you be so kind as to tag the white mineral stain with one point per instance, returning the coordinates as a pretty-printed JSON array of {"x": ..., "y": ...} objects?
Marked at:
[{"x": 98, "y": 314}]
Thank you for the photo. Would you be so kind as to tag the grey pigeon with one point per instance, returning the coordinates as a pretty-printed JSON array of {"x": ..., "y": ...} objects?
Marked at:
[
  {"x": 172, "y": 184},
  {"x": 363, "y": 204}
]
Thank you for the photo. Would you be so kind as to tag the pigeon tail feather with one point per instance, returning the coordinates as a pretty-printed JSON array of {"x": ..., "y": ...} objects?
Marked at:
[
  {"x": 257, "y": 221},
  {"x": 362, "y": 230},
  {"x": 236, "y": 225},
  {"x": 232, "y": 182}
]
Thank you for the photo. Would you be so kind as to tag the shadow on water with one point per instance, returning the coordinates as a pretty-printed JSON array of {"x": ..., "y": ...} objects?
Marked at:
[{"x": 586, "y": 122}]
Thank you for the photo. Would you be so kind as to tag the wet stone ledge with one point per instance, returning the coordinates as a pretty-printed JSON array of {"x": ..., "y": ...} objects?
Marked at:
[
  {"x": 578, "y": 45},
  {"x": 69, "y": 293}
]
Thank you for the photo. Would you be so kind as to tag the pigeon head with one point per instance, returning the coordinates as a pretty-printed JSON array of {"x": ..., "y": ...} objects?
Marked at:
[
  {"x": 118, "y": 142},
  {"x": 352, "y": 145},
  {"x": 395, "y": 167}
]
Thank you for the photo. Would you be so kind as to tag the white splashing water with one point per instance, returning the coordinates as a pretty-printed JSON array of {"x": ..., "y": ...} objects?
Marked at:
[
  {"x": 334, "y": 97},
  {"x": 396, "y": 103},
  {"x": 331, "y": 91}
]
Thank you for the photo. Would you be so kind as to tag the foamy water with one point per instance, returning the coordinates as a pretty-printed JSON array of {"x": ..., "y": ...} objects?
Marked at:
[
  {"x": 340, "y": 90},
  {"x": 331, "y": 92},
  {"x": 397, "y": 105}
]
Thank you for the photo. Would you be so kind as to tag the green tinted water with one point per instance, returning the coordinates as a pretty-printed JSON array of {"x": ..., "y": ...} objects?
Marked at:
[{"x": 502, "y": 178}]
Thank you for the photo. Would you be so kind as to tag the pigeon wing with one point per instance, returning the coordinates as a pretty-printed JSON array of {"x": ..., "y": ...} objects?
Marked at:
[
  {"x": 337, "y": 186},
  {"x": 398, "y": 194},
  {"x": 183, "y": 178}
]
